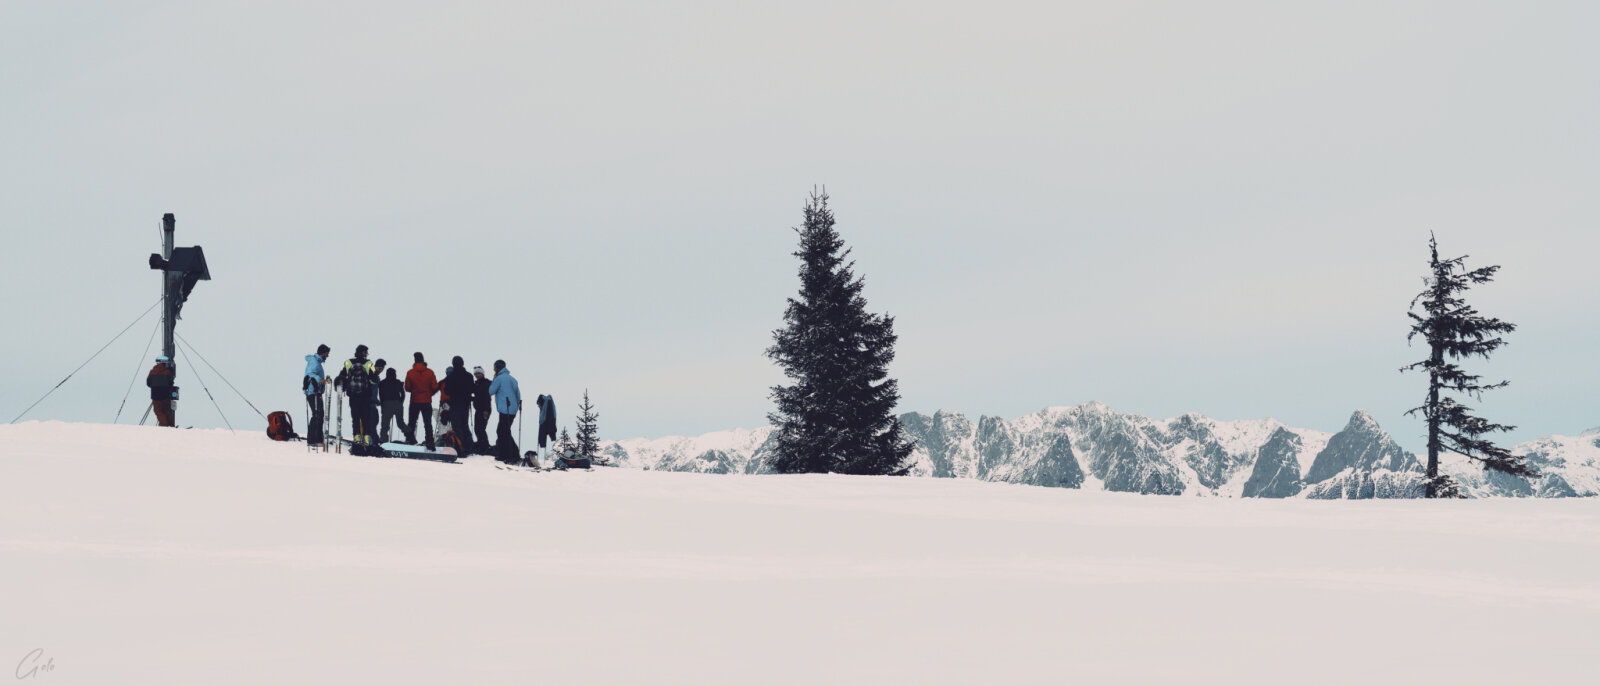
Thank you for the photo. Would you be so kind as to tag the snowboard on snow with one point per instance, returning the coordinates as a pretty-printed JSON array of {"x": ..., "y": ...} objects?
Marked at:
[
  {"x": 412, "y": 452},
  {"x": 417, "y": 452}
]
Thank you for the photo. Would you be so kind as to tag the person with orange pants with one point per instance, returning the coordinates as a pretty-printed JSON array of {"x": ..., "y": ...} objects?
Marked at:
[{"x": 162, "y": 390}]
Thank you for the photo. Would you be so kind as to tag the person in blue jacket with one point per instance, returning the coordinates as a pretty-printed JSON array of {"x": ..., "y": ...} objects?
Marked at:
[
  {"x": 312, "y": 384},
  {"x": 507, "y": 401}
]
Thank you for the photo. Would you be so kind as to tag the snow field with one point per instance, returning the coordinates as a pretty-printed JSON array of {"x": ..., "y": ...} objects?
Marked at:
[{"x": 142, "y": 555}]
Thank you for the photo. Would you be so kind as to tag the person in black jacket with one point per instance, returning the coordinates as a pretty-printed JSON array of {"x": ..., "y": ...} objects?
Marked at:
[
  {"x": 375, "y": 410},
  {"x": 482, "y": 407},
  {"x": 458, "y": 385},
  {"x": 392, "y": 397},
  {"x": 357, "y": 380}
]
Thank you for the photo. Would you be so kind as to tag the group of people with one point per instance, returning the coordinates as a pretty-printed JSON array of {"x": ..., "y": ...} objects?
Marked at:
[{"x": 376, "y": 392}]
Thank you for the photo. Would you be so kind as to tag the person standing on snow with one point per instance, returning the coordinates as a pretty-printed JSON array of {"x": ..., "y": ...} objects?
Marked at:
[
  {"x": 357, "y": 379},
  {"x": 441, "y": 416},
  {"x": 376, "y": 409},
  {"x": 458, "y": 393},
  {"x": 421, "y": 383},
  {"x": 508, "y": 400},
  {"x": 392, "y": 398},
  {"x": 161, "y": 390},
  {"x": 313, "y": 384},
  {"x": 482, "y": 405}
]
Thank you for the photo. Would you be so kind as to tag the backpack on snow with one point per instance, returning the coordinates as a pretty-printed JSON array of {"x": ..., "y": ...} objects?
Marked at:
[
  {"x": 452, "y": 440},
  {"x": 280, "y": 427},
  {"x": 571, "y": 460}
]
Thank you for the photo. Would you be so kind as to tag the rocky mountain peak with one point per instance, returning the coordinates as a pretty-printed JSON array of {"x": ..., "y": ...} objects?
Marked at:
[
  {"x": 1095, "y": 407},
  {"x": 1353, "y": 456},
  {"x": 1276, "y": 473},
  {"x": 1362, "y": 421}
]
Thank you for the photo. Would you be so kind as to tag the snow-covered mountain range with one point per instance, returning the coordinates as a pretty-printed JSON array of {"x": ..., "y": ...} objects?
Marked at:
[{"x": 1093, "y": 447}]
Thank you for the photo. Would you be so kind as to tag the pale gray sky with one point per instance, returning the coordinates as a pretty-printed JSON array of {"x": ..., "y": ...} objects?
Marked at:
[{"x": 1215, "y": 207}]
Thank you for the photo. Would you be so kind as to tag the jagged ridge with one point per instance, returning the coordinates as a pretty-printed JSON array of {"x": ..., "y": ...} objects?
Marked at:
[{"x": 1094, "y": 447}]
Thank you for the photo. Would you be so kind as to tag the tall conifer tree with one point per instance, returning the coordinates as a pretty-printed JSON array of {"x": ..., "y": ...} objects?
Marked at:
[
  {"x": 588, "y": 438},
  {"x": 1454, "y": 330},
  {"x": 838, "y": 416}
]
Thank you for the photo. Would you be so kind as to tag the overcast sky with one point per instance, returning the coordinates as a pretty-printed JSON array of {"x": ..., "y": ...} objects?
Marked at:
[{"x": 1170, "y": 207}]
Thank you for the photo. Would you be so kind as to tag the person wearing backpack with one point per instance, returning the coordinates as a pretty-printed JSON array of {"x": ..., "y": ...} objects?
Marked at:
[
  {"x": 508, "y": 401},
  {"x": 392, "y": 400},
  {"x": 421, "y": 384},
  {"x": 313, "y": 384},
  {"x": 482, "y": 407},
  {"x": 357, "y": 379},
  {"x": 458, "y": 393},
  {"x": 161, "y": 390}
]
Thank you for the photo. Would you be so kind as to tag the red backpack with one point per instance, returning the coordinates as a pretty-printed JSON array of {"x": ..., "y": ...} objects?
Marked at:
[
  {"x": 452, "y": 440},
  {"x": 280, "y": 427}
]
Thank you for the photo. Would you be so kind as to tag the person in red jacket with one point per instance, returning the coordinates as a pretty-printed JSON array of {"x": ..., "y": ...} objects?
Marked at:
[{"x": 421, "y": 384}]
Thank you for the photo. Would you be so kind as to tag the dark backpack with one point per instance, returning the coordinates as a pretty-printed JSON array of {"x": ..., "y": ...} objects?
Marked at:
[
  {"x": 572, "y": 460},
  {"x": 280, "y": 427},
  {"x": 357, "y": 381}
]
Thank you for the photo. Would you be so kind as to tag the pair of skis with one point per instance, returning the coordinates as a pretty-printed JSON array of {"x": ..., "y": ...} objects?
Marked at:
[
  {"x": 338, "y": 431},
  {"x": 328, "y": 439}
]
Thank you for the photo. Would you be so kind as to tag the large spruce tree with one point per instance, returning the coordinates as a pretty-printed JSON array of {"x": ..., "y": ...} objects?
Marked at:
[
  {"x": 588, "y": 439},
  {"x": 1454, "y": 330},
  {"x": 838, "y": 415}
]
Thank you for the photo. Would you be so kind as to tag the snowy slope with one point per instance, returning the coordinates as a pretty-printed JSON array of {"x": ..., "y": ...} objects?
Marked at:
[{"x": 135, "y": 555}]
